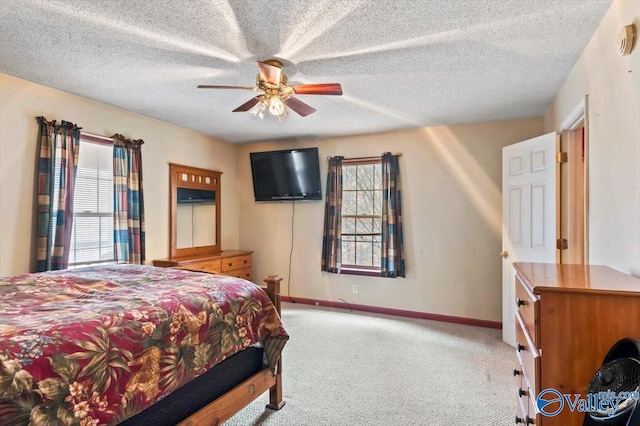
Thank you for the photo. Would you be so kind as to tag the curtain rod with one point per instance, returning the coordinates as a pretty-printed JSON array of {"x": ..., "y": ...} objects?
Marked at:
[
  {"x": 93, "y": 135},
  {"x": 96, "y": 138},
  {"x": 363, "y": 158}
]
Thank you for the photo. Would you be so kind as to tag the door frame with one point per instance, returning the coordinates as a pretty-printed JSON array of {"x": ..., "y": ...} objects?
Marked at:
[{"x": 578, "y": 117}]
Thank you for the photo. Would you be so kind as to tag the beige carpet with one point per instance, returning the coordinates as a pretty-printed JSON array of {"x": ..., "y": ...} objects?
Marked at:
[{"x": 351, "y": 368}]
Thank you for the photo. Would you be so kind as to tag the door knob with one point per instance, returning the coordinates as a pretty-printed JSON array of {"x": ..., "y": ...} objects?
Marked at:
[{"x": 504, "y": 254}]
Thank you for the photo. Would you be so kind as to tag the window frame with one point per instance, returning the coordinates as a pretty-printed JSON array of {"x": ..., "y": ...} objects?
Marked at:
[
  {"x": 100, "y": 140},
  {"x": 348, "y": 269}
]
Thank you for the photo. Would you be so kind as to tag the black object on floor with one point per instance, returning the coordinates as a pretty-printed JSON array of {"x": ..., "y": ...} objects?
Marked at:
[{"x": 620, "y": 374}]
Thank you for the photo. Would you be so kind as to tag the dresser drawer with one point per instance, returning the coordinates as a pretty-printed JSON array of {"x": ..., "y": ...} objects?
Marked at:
[
  {"x": 517, "y": 374},
  {"x": 527, "y": 305},
  {"x": 528, "y": 356},
  {"x": 525, "y": 397},
  {"x": 244, "y": 273},
  {"x": 533, "y": 414},
  {"x": 524, "y": 417},
  {"x": 521, "y": 411},
  {"x": 205, "y": 265},
  {"x": 237, "y": 262}
]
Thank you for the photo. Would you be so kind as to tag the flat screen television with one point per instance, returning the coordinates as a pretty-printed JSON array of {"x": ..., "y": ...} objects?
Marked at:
[{"x": 292, "y": 174}]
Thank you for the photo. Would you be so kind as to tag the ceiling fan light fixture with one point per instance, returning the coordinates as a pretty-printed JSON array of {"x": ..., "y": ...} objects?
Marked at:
[
  {"x": 259, "y": 109},
  {"x": 276, "y": 106},
  {"x": 283, "y": 115}
]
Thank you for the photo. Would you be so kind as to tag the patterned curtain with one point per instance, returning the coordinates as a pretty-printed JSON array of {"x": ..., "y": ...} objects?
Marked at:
[
  {"x": 332, "y": 235},
  {"x": 58, "y": 148},
  {"x": 128, "y": 201},
  {"x": 392, "y": 264}
]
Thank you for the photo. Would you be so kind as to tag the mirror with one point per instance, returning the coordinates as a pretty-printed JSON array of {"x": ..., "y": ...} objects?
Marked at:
[{"x": 194, "y": 211}]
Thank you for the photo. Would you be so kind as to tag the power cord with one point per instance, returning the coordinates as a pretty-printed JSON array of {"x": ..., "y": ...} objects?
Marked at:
[
  {"x": 293, "y": 214},
  {"x": 347, "y": 304}
]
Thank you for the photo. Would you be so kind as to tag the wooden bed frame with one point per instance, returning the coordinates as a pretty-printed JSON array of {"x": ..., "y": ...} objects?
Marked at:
[{"x": 236, "y": 399}]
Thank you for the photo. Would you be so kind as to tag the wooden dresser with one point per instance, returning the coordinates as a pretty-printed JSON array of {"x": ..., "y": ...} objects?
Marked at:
[
  {"x": 567, "y": 319},
  {"x": 236, "y": 263}
]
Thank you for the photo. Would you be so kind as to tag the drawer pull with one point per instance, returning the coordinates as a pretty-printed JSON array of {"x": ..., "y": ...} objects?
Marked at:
[
  {"x": 522, "y": 392},
  {"x": 519, "y": 302},
  {"x": 527, "y": 420},
  {"x": 230, "y": 264},
  {"x": 252, "y": 389},
  {"x": 519, "y": 347},
  {"x": 245, "y": 261},
  {"x": 516, "y": 372}
]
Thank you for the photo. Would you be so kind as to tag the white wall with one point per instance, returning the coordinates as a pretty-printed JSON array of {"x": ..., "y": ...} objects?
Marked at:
[
  {"x": 451, "y": 178},
  {"x": 612, "y": 83},
  {"x": 22, "y": 101}
]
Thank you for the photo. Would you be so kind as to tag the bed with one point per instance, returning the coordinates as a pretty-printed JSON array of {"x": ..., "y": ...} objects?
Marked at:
[{"x": 135, "y": 344}]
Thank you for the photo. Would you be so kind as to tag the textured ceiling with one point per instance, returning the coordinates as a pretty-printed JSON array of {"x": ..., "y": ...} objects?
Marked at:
[{"x": 401, "y": 63}]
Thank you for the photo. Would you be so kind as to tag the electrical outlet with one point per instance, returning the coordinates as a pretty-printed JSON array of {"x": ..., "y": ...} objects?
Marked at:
[{"x": 355, "y": 289}]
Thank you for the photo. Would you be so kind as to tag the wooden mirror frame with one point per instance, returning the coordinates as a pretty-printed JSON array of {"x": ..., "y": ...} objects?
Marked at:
[{"x": 195, "y": 178}]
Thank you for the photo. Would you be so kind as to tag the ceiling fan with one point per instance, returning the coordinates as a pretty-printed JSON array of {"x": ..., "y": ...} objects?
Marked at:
[{"x": 277, "y": 94}]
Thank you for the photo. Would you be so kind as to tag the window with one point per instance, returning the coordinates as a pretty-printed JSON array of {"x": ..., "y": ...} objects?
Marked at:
[
  {"x": 361, "y": 216},
  {"x": 92, "y": 234}
]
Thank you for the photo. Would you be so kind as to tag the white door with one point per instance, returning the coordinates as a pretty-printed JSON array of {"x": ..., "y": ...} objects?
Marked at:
[{"x": 528, "y": 214}]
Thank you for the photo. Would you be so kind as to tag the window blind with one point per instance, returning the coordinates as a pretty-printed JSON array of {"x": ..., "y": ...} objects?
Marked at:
[{"x": 92, "y": 235}]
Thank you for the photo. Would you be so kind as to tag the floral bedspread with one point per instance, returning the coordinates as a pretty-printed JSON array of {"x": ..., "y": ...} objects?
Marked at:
[{"x": 97, "y": 345}]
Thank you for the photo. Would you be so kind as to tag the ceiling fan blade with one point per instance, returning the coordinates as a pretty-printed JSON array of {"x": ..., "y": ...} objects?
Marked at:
[
  {"x": 318, "y": 89},
  {"x": 269, "y": 73},
  {"x": 300, "y": 107},
  {"x": 247, "y": 105},
  {"x": 207, "y": 86}
]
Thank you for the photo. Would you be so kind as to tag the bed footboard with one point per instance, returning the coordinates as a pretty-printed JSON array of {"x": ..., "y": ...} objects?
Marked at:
[
  {"x": 275, "y": 392},
  {"x": 239, "y": 397},
  {"x": 225, "y": 407}
]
